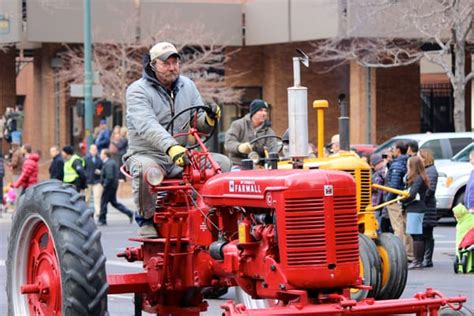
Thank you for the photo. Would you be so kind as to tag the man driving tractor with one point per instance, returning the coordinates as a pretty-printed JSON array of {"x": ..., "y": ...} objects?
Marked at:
[
  {"x": 239, "y": 137},
  {"x": 152, "y": 101}
]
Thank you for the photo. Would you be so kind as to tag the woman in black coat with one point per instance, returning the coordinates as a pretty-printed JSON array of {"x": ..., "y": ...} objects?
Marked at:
[{"x": 418, "y": 184}]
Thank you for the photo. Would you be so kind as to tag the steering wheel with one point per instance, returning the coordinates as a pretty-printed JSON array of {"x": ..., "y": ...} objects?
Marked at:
[
  {"x": 265, "y": 137},
  {"x": 197, "y": 108}
]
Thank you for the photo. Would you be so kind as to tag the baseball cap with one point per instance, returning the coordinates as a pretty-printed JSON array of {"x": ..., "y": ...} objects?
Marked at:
[{"x": 163, "y": 50}]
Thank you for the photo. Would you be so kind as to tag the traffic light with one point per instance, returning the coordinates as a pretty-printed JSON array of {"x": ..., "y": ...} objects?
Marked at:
[{"x": 103, "y": 108}]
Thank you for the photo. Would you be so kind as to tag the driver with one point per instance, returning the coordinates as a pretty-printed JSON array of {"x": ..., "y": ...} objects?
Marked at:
[
  {"x": 152, "y": 101},
  {"x": 254, "y": 124}
]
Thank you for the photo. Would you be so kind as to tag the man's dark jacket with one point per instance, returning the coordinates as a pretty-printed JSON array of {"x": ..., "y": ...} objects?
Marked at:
[
  {"x": 56, "y": 169},
  {"x": 91, "y": 166},
  {"x": 395, "y": 174},
  {"x": 110, "y": 173}
]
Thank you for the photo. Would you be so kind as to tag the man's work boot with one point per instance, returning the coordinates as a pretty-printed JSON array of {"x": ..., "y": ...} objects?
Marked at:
[
  {"x": 428, "y": 257},
  {"x": 418, "y": 251},
  {"x": 147, "y": 231}
]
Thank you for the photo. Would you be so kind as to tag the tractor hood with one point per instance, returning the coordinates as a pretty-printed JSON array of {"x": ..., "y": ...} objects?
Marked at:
[{"x": 256, "y": 187}]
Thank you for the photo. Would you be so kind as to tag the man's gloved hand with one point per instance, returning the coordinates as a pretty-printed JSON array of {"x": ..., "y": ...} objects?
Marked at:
[
  {"x": 178, "y": 155},
  {"x": 245, "y": 148},
  {"x": 213, "y": 114}
]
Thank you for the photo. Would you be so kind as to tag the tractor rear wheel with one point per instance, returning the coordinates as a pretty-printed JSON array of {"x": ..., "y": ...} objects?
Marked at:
[
  {"x": 55, "y": 264},
  {"x": 394, "y": 266}
]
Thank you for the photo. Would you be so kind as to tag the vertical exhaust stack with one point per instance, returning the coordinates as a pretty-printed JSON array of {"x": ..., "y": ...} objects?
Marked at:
[
  {"x": 298, "y": 111},
  {"x": 344, "y": 139}
]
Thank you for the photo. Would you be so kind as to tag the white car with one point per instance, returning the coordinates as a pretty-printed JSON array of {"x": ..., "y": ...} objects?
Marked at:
[{"x": 452, "y": 178}]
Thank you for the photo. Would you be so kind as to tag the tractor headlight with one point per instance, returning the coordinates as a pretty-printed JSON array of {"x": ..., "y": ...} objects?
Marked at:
[{"x": 154, "y": 176}]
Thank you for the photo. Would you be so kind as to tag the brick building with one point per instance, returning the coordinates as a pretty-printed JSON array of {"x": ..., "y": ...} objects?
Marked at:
[{"x": 383, "y": 101}]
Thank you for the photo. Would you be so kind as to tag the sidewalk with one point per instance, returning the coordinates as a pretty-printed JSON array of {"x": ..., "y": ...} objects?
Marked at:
[{"x": 124, "y": 196}]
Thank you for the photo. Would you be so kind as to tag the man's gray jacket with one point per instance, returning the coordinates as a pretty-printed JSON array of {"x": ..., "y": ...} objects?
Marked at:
[
  {"x": 150, "y": 108},
  {"x": 241, "y": 131}
]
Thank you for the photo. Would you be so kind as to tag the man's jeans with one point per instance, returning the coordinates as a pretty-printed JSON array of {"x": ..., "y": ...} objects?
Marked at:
[{"x": 398, "y": 220}]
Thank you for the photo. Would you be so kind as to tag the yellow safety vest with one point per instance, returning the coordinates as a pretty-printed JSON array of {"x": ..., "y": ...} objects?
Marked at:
[{"x": 70, "y": 175}]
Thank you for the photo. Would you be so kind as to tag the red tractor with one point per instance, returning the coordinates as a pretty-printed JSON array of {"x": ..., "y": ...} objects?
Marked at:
[{"x": 287, "y": 236}]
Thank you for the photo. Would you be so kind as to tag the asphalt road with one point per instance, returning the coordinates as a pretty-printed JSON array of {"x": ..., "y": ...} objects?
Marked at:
[{"x": 115, "y": 238}]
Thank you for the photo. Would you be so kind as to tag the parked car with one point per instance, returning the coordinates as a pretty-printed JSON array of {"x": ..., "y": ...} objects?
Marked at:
[
  {"x": 452, "y": 179},
  {"x": 443, "y": 145}
]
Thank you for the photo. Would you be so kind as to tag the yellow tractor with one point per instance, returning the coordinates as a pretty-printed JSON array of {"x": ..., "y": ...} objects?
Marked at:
[{"x": 383, "y": 261}]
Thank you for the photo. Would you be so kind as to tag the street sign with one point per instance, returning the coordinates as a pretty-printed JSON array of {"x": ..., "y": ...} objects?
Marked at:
[{"x": 77, "y": 90}]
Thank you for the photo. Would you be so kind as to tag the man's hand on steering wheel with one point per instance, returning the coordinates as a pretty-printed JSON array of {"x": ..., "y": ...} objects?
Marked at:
[
  {"x": 177, "y": 153},
  {"x": 213, "y": 114}
]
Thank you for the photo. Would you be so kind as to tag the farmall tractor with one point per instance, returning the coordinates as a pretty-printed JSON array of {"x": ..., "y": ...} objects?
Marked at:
[{"x": 287, "y": 237}]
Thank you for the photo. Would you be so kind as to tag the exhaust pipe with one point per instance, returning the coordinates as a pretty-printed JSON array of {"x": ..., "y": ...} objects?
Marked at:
[
  {"x": 298, "y": 111},
  {"x": 344, "y": 143}
]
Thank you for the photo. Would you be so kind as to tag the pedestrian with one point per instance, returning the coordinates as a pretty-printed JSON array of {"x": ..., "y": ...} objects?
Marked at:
[
  {"x": 412, "y": 148},
  {"x": 395, "y": 175},
  {"x": 151, "y": 103},
  {"x": 335, "y": 144},
  {"x": 93, "y": 177},
  {"x": 430, "y": 219},
  {"x": 379, "y": 173},
  {"x": 2, "y": 175},
  {"x": 29, "y": 173},
  {"x": 103, "y": 137},
  {"x": 118, "y": 147},
  {"x": 110, "y": 171},
  {"x": 73, "y": 168},
  {"x": 16, "y": 161},
  {"x": 469, "y": 193},
  {"x": 56, "y": 168},
  {"x": 418, "y": 184},
  {"x": 242, "y": 131}
]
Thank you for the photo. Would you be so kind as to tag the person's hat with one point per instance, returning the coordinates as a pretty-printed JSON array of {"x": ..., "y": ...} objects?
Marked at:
[
  {"x": 163, "y": 50},
  {"x": 257, "y": 105},
  {"x": 375, "y": 159},
  {"x": 103, "y": 122},
  {"x": 68, "y": 150},
  {"x": 335, "y": 139}
]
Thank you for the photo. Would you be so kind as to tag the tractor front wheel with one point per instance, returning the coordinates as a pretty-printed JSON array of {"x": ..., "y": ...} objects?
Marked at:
[{"x": 55, "y": 264}]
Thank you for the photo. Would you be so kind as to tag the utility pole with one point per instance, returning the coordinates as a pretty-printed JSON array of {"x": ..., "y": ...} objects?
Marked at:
[{"x": 87, "y": 73}]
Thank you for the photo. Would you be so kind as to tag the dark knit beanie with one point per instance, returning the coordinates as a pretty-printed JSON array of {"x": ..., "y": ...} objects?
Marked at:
[
  {"x": 257, "y": 105},
  {"x": 68, "y": 150}
]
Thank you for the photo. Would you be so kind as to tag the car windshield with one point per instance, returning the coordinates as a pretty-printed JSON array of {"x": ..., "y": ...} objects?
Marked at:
[
  {"x": 463, "y": 155},
  {"x": 389, "y": 143}
]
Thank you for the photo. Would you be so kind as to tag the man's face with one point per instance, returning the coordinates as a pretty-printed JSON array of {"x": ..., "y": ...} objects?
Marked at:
[
  {"x": 53, "y": 152},
  {"x": 167, "y": 72},
  {"x": 260, "y": 116},
  {"x": 103, "y": 156},
  {"x": 93, "y": 150},
  {"x": 64, "y": 155}
]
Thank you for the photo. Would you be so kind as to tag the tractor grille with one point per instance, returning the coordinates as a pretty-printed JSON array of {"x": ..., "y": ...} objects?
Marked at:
[
  {"x": 363, "y": 180},
  {"x": 306, "y": 240},
  {"x": 346, "y": 229},
  {"x": 305, "y": 237}
]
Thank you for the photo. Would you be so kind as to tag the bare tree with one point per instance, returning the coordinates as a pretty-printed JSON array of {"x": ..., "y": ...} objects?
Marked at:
[
  {"x": 444, "y": 23},
  {"x": 121, "y": 62}
]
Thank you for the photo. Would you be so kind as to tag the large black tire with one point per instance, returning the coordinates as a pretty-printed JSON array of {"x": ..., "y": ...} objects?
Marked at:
[
  {"x": 367, "y": 270},
  {"x": 394, "y": 266},
  {"x": 375, "y": 264},
  {"x": 54, "y": 231}
]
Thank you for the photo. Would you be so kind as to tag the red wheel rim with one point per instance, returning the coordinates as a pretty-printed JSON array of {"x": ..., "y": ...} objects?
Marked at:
[{"x": 43, "y": 288}]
